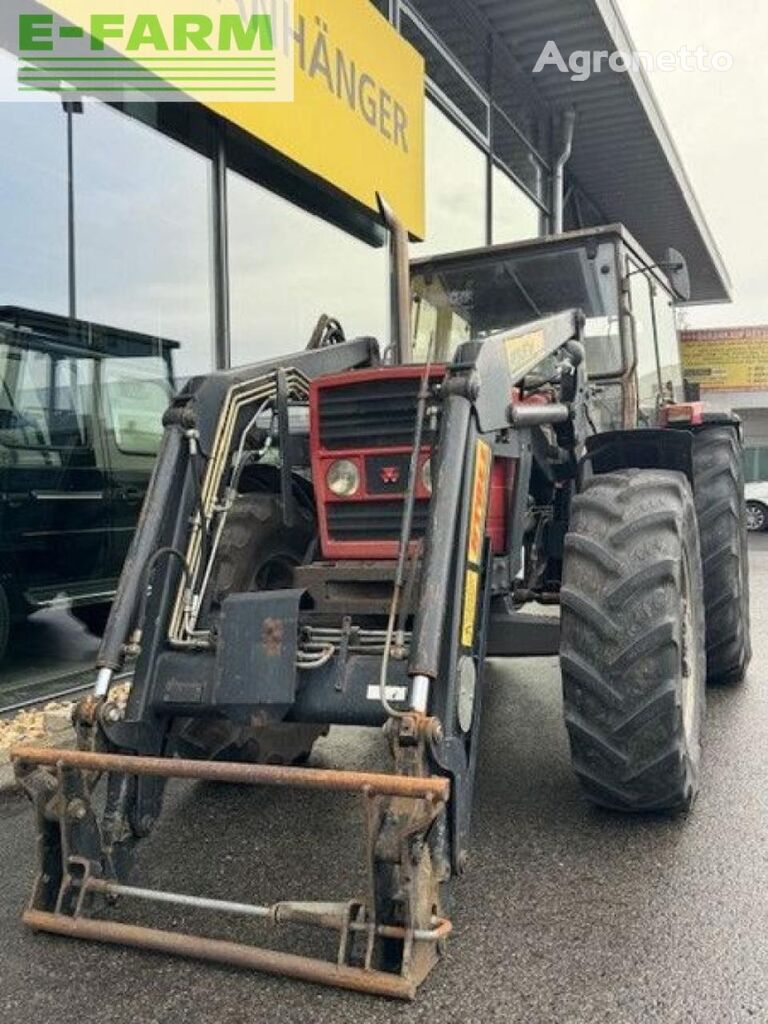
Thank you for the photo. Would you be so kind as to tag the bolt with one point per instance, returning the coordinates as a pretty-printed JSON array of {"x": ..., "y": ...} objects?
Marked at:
[
  {"x": 436, "y": 730},
  {"x": 77, "y": 810},
  {"x": 112, "y": 713}
]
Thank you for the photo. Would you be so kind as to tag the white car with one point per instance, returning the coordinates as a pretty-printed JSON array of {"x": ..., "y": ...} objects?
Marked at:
[{"x": 757, "y": 506}]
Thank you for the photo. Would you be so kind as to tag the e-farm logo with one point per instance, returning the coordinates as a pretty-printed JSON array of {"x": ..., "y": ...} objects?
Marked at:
[{"x": 177, "y": 50}]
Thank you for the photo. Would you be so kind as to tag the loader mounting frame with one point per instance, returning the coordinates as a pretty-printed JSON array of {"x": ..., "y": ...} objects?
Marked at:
[
  {"x": 76, "y": 866},
  {"x": 417, "y": 821}
]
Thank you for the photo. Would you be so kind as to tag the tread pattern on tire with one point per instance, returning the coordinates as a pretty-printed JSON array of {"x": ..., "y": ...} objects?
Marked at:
[
  {"x": 622, "y": 640},
  {"x": 719, "y": 495}
]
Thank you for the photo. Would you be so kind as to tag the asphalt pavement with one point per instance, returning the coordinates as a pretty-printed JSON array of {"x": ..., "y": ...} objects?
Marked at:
[
  {"x": 566, "y": 914},
  {"x": 48, "y": 645}
]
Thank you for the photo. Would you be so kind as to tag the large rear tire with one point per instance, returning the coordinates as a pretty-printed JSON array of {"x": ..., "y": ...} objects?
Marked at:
[
  {"x": 257, "y": 552},
  {"x": 632, "y": 646},
  {"x": 719, "y": 489}
]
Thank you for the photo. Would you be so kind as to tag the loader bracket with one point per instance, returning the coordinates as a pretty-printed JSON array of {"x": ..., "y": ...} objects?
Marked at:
[
  {"x": 262, "y": 670},
  {"x": 388, "y": 942}
]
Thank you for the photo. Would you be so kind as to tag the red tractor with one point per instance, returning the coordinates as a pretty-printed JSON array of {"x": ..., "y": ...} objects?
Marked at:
[{"x": 344, "y": 535}]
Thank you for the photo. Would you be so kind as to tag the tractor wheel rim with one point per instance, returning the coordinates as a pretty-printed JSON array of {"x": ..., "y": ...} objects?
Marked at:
[{"x": 690, "y": 662}]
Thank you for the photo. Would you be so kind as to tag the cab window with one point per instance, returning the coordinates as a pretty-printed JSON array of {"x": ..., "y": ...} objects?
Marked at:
[
  {"x": 137, "y": 393},
  {"x": 45, "y": 406},
  {"x": 504, "y": 289},
  {"x": 668, "y": 344},
  {"x": 645, "y": 342}
]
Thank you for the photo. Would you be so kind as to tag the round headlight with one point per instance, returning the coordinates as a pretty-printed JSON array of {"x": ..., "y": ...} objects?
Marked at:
[
  {"x": 426, "y": 476},
  {"x": 343, "y": 478}
]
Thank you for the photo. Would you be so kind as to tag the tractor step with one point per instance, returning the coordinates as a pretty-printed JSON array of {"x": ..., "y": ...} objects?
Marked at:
[{"x": 77, "y": 867}]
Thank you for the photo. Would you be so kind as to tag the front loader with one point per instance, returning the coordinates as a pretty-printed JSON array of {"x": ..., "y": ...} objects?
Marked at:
[{"x": 343, "y": 536}]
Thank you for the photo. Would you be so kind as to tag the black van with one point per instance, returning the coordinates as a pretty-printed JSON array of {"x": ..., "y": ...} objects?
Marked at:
[{"x": 81, "y": 409}]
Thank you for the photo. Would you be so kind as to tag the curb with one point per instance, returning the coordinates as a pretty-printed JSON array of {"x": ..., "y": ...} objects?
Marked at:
[
  {"x": 62, "y": 738},
  {"x": 49, "y": 725}
]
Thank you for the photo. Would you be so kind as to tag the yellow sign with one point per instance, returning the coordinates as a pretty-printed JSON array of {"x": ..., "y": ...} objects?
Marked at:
[
  {"x": 177, "y": 51},
  {"x": 522, "y": 350},
  {"x": 357, "y": 118},
  {"x": 731, "y": 359},
  {"x": 471, "y": 593},
  {"x": 479, "y": 502},
  {"x": 477, "y": 516}
]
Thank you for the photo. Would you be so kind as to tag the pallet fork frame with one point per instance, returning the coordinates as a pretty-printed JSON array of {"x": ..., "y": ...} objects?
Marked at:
[{"x": 67, "y": 882}]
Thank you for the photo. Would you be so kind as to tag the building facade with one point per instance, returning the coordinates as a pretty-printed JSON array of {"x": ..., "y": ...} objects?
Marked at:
[
  {"x": 730, "y": 364},
  {"x": 171, "y": 220}
]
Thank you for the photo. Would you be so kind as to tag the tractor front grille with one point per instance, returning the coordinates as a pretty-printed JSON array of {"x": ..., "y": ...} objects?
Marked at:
[
  {"x": 370, "y": 414},
  {"x": 373, "y": 520}
]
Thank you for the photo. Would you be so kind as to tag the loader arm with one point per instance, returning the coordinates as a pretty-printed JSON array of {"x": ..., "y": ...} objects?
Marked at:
[{"x": 405, "y": 655}]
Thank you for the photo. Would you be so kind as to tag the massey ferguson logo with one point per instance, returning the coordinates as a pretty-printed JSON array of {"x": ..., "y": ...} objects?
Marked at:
[{"x": 389, "y": 475}]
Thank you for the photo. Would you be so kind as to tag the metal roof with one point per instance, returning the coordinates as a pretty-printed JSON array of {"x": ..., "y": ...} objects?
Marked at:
[{"x": 623, "y": 154}]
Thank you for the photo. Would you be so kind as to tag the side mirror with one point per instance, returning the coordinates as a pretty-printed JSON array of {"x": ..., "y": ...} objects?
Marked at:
[{"x": 676, "y": 269}]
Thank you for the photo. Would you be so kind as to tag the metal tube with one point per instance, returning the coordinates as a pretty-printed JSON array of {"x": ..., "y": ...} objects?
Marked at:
[
  {"x": 400, "y": 284},
  {"x": 217, "y": 951},
  {"x": 539, "y": 415},
  {"x": 145, "y": 542},
  {"x": 177, "y": 899},
  {"x": 71, "y": 249},
  {"x": 558, "y": 172},
  {"x": 242, "y": 774},
  {"x": 103, "y": 682},
  {"x": 219, "y": 220},
  {"x": 420, "y": 693},
  {"x": 439, "y": 553},
  {"x": 331, "y": 916}
]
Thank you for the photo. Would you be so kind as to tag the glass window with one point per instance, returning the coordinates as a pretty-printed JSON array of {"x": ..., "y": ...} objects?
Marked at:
[
  {"x": 514, "y": 153},
  {"x": 755, "y": 465},
  {"x": 645, "y": 345},
  {"x": 465, "y": 38},
  {"x": 137, "y": 395},
  {"x": 466, "y": 96},
  {"x": 143, "y": 233},
  {"x": 607, "y": 407},
  {"x": 45, "y": 405},
  {"x": 515, "y": 216},
  {"x": 287, "y": 268},
  {"x": 668, "y": 341},
  {"x": 33, "y": 204},
  {"x": 456, "y": 188},
  {"x": 515, "y": 93},
  {"x": 507, "y": 288}
]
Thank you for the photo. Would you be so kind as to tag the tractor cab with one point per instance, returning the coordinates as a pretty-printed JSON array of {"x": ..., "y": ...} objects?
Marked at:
[{"x": 628, "y": 301}]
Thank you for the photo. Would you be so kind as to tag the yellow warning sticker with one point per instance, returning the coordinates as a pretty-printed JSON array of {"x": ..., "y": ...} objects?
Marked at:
[
  {"x": 471, "y": 591},
  {"x": 522, "y": 350},
  {"x": 479, "y": 507}
]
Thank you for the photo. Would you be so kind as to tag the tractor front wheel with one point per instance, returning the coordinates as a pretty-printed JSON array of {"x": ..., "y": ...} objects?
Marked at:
[{"x": 633, "y": 639}]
